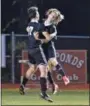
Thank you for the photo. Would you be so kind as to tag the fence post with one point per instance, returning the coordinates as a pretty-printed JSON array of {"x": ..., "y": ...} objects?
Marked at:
[{"x": 13, "y": 58}]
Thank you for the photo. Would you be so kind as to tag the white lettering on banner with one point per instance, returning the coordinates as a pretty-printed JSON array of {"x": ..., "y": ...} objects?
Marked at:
[
  {"x": 34, "y": 77},
  {"x": 75, "y": 61},
  {"x": 59, "y": 77},
  {"x": 74, "y": 77},
  {"x": 79, "y": 65},
  {"x": 70, "y": 59},
  {"x": 62, "y": 57}
]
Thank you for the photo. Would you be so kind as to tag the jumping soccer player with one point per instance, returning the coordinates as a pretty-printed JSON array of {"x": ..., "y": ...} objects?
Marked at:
[
  {"x": 53, "y": 18},
  {"x": 36, "y": 54}
]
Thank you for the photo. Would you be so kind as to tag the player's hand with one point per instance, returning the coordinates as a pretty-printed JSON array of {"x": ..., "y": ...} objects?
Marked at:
[{"x": 36, "y": 35}]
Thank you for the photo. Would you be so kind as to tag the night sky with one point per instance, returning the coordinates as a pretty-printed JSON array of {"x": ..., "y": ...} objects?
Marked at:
[{"x": 77, "y": 15}]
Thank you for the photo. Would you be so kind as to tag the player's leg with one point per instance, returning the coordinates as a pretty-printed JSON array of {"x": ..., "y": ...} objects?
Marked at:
[
  {"x": 29, "y": 72},
  {"x": 54, "y": 62},
  {"x": 49, "y": 74},
  {"x": 60, "y": 70},
  {"x": 42, "y": 65},
  {"x": 51, "y": 53},
  {"x": 51, "y": 80}
]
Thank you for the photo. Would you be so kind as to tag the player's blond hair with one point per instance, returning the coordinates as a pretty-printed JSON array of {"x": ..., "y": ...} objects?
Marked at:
[{"x": 59, "y": 16}]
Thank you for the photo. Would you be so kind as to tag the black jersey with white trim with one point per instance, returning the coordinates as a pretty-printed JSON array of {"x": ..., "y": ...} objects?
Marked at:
[
  {"x": 50, "y": 29},
  {"x": 33, "y": 27}
]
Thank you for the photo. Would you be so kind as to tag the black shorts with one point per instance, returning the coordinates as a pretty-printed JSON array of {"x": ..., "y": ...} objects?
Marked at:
[
  {"x": 49, "y": 51},
  {"x": 37, "y": 56}
]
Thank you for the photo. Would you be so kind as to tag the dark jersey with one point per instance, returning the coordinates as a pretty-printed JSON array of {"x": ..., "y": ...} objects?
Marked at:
[
  {"x": 34, "y": 27},
  {"x": 49, "y": 48},
  {"x": 50, "y": 29}
]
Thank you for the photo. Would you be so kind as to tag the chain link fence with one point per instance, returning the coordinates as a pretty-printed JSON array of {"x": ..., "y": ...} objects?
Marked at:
[{"x": 15, "y": 43}]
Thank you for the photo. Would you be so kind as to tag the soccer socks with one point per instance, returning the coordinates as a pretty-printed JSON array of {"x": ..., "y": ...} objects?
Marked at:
[
  {"x": 64, "y": 77},
  {"x": 24, "y": 81},
  {"x": 60, "y": 70},
  {"x": 43, "y": 83},
  {"x": 50, "y": 79}
]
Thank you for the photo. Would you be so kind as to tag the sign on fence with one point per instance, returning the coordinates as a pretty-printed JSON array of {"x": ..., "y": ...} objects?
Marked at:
[{"x": 74, "y": 63}]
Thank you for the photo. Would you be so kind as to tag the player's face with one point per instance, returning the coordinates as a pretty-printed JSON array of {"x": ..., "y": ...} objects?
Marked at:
[
  {"x": 52, "y": 16},
  {"x": 55, "y": 18},
  {"x": 37, "y": 15}
]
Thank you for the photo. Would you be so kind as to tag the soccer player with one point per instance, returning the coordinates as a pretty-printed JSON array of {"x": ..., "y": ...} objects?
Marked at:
[
  {"x": 36, "y": 54},
  {"x": 54, "y": 16}
]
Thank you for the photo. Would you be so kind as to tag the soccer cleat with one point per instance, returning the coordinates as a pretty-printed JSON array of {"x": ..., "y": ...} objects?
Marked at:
[
  {"x": 21, "y": 90},
  {"x": 55, "y": 90},
  {"x": 46, "y": 97},
  {"x": 66, "y": 80}
]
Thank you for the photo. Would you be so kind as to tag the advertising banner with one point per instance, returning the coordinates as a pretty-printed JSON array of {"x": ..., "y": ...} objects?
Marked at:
[{"x": 74, "y": 62}]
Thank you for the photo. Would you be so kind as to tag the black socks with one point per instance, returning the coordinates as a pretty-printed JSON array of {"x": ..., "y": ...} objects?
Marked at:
[
  {"x": 24, "y": 81},
  {"x": 50, "y": 79},
  {"x": 60, "y": 70},
  {"x": 43, "y": 83}
]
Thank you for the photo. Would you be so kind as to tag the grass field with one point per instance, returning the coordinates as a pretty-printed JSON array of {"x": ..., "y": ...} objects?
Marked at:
[{"x": 12, "y": 97}]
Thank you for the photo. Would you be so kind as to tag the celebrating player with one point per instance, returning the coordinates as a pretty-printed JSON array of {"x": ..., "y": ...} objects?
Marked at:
[
  {"x": 36, "y": 54},
  {"x": 53, "y": 18}
]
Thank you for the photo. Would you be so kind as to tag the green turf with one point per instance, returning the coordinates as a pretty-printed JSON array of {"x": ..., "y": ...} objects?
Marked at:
[{"x": 12, "y": 97}]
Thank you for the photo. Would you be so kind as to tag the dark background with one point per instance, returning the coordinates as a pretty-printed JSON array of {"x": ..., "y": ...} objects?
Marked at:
[
  {"x": 77, "y": 15},
  {"x": 77, "y": 23}
]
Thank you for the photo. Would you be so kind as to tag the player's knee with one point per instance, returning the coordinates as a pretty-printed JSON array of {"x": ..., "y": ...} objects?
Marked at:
[
  {"x": 53, "y": 62},
  {"x": 30, "y": 71},
  {"x": 49, "y": 65},
  {"x": 43, "y": 70}
]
